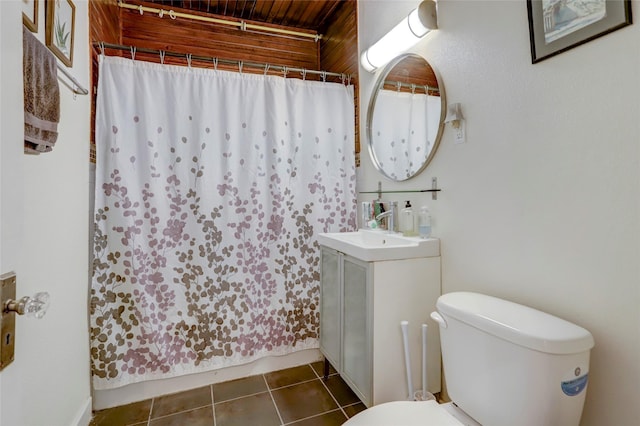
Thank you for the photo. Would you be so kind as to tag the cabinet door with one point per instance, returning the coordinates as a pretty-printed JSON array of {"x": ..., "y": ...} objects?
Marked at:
[
  {"x": 330, "y": 308},
  {"x": 357, "y": 337}
]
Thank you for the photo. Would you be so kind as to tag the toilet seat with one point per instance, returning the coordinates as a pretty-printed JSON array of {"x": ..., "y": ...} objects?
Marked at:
[{"x": 404, "y": 413}]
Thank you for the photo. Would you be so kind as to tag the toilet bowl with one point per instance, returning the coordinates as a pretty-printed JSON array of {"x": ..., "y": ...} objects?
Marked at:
[
  {"x": 505, "y": 364},
  {"x": 412, "y": 413}
]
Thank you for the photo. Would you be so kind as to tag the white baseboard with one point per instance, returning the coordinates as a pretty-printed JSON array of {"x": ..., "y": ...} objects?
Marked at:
[
  {"x": 83, "y": 417},
  {"x": 140, "y": 391}
]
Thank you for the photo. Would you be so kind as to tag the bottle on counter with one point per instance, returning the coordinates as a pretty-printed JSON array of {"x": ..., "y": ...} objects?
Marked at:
[
  {"x": 407, "y": 221},
  {"x": 424, "y": 222}
]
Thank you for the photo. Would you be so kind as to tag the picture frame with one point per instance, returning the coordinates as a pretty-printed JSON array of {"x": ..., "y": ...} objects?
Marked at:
[
  {"x": 556, "y": 26},
  {"x": 30, "y": 14},
  {"x": 60, "y": 28}
]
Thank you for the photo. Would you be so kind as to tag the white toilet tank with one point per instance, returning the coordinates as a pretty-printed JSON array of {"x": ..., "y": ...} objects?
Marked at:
[{"x": 506, "y": 364}]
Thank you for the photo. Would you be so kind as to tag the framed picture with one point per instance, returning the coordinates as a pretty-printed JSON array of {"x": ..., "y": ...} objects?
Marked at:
[
  {"x": 30, "y": 14},
  {"x": 59, "y": 29},
  {"x": 556, "y": 26}
]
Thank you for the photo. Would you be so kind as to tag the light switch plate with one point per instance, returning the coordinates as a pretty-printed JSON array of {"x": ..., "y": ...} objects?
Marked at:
[{"x": 7, "y": 320}]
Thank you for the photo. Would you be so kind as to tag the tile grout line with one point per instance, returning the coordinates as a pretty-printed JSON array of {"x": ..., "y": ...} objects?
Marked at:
[
  {"x": 242, "y": 396},
  {"x": 314, "y": 416},
  {"x": 153, "y": 400},
  {"x": 177, "y": 412},
  {"x": 273, "y": 399},
  {"x": 294, "y": 384},
  {"x": 330, "y": 393},
  {"x": 213, "y": 405}
]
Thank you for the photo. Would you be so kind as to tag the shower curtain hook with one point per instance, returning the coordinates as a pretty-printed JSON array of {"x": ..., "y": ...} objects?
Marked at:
[
  {"x": 240, "y": 65},
  {"x": 426, "y": 90},
  {"x": 342, "y": 77},
  {"x": 161, "y": 13},
  {"x": 101, "y": 48},
  {"x": 349, "y": 80},
  {"x": 215, "y": 64},
  {"x": 162, "y": 57},
  {"x": 398, "y": 86},
  {"x": 324, "y": 76},
  {"x": 266, "y": 68},
  {"x": 304, "y": 74},
  {"x": 172, "y": 14},
  {"x": 133, "y": 53},
  {"x": 189, "y": 60},
  {"x": 285, "y": 71},
  {"x": 413, "y": 89},
  {"x": 140, "y": 10}
]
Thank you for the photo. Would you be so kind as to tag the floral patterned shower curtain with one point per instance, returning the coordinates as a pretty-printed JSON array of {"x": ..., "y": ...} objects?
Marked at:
[{"x": 210, "y": 189}]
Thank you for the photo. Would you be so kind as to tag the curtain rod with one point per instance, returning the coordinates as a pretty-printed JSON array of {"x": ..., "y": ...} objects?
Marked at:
[
  {"x": 243, "y": 25},
  {"x": 77, "y": 88},
  {"x": 426, "y": 88},
  {"x": 266, "y": 67}
]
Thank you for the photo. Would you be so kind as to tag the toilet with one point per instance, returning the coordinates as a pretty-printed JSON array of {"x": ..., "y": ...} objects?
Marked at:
[{"x": 504, "y": 364}]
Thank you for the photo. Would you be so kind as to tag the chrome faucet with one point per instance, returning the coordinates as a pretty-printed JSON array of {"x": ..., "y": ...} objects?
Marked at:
[{"x": 389, "y": 214}]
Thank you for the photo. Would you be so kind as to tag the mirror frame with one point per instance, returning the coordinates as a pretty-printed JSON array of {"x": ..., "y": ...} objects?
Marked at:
[{"x": 372, "y": 102}]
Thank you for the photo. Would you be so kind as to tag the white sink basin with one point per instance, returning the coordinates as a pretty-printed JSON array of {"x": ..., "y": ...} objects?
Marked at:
[{"x": 371, "y": 245}]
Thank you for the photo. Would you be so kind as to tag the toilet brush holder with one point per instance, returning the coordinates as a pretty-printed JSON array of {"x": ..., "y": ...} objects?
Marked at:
[{"x": 421, "y": 395}]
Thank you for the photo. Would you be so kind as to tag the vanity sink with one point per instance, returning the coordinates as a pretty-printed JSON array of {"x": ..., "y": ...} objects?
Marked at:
[{"x": 371, "y": 245}]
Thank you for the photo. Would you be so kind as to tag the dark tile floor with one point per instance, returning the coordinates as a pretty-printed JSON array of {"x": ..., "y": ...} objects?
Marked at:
[{"x": 294, "y": 397}]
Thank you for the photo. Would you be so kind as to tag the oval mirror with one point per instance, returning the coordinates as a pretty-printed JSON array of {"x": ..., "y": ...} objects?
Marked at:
[{"x": 406, "y": 117}]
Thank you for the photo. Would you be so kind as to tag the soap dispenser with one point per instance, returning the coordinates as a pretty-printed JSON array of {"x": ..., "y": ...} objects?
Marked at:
[
  {"x": 424, "y": 222},
  {"x": 407, "y": 220}
]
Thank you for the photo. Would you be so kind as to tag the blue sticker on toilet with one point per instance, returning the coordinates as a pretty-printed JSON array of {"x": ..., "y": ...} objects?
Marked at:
[{"x": 575, "y": 386}]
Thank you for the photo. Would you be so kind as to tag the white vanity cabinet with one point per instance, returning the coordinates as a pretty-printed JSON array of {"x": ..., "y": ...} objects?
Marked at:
[{"x": 361, "y": 306}]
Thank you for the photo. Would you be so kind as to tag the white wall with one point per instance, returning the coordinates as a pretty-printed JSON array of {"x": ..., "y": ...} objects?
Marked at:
[
  {"x": 542, "y": 204},
  {"x": 44, "y": 239}
]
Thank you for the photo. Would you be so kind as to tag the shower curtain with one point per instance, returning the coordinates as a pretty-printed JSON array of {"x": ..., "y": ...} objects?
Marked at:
[
  {"x": 210, "y": 189},
  {"x": 405, "y": 123}
]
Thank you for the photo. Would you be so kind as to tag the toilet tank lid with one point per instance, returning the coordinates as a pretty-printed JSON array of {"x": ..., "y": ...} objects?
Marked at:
[{"x": 516, "y": 323}]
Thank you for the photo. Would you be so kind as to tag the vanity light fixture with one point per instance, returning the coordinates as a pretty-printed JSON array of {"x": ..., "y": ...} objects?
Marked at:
[
  {"x": 455, "y": 117},
  {"x": 407, "y": 33}
]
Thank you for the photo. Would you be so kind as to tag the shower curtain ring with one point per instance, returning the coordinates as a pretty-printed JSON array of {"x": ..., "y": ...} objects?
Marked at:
[
  {"x": 285, "y": 71},
  {"x": 413, "y": 89},
  {"x": 162, "y": 57},
  {"x": 349, "y": 80},
  {"x": 101, "y": 48},
  {"x": 324, "y": 76},
  {"x": 266, "y": 68},
  {"x": 215, "y": 64},
  {"x": 240, "y": 65},
  {"x": 133, "y": 53},
  {"x": 161, "y": 13},
  {"x": 189, "y": 60},
  {"x": 304, "y": 74},
  {"x": 140, "y": 10},
  {"x": 172, "y": 14}
]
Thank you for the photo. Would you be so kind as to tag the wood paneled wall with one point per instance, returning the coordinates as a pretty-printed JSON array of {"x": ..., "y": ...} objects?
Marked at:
[
  {"x": 104, "y": 25},
  {"x": 413, "y": 70},
  {"x": 339, "y": 51},
  {"x": 336, "y": 52},
  {"x": 208, "y": 39}
]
